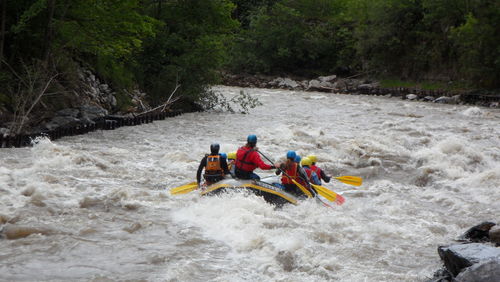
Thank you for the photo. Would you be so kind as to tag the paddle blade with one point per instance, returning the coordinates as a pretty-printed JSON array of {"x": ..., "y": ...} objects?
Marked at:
[
  {"x": 329, "y": 194},
  {"x": 340, "y": 200},
  {"x": 184, "y": 189},
  {"x": 351, "y": 180}
]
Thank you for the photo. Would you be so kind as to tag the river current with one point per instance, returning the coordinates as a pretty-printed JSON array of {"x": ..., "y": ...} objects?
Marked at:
[{"x": 103, "y": 205}]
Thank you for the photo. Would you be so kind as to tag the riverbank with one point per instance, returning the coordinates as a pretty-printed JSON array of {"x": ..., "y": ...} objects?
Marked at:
[{"x": 365, "y": 86}]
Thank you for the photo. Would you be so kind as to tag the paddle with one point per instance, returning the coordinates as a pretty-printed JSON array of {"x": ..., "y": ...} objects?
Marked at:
[
  {"x": 329, "y": 194},
  {"x": 184, "y": 188},
  {"x": 351, "y": 180},
  {"x": 302, "y": 188}
]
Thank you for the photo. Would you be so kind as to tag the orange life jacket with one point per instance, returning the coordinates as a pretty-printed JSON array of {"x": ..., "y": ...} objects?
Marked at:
[
  {"x": 213, "y": 167},
  {"x": 291, "y": 170}
]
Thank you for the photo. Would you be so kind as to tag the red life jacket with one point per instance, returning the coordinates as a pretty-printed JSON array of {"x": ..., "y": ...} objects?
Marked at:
[
  {"x": 309, "y": 172},
  {"x": 213, "y": 167},
  {"x": 317, "y": 170},
  {"x": 242, "y": 162},
  {"x": 291, "y": 170}
]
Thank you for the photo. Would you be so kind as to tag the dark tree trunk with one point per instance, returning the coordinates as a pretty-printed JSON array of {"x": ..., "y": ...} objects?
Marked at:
[
  {"x": 158, "y": 12},
  {"x": 49, "y": 30},
  {"x": 3, "y": 6}
]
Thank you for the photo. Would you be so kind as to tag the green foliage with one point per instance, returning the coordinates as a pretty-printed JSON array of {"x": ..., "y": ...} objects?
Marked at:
[
  {"x": 297, "y": 36},
  {"x": 187, "y": 50}
]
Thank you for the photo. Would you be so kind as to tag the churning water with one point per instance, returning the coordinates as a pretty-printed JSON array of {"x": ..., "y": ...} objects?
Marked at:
[{"x": 99, "y": 205}]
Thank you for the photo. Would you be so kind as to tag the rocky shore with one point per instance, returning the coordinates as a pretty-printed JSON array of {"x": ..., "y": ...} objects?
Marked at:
[
  {"x": 474, "y": 257},
  {"x": 338, "y": 85}
]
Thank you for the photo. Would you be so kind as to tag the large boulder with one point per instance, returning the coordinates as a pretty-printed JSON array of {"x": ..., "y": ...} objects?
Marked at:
[
  {"x": 458, "y": 257},
  {"x": 485, "y": 271}
]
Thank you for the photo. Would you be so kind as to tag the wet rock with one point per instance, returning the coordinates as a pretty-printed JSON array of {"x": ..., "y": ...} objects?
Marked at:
[
  {"x": 61, "y": 121},
  {"x": 485, "y": 271},
  {"x": 448, "y": 100},
  {"x": 411, "y": 97},
  {"x": 69, "y": 112},
  {"x": 287, "y": 260},
  {"x": 478, "y": 233},
  {"x": 285, "y": 83},
  {"x": 441, "y": 275},
  {"x": 458, "y": 257},
  {"x": 3, "y": 219},
  {"x": 494, "y": 234},
  {"x": 13, "y": 232},
  {"x": 329, "y": 78},
  {"x": 133, "y": 228},
  {"x": 92, "y": 112}
]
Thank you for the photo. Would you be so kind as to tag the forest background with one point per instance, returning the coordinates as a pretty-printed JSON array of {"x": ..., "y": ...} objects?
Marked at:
[{"x": 161, "y": 46}]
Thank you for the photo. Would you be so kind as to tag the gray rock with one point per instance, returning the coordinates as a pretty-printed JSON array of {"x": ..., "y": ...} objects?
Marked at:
[
  {"x": 104, "y": 87},
  {"x": 411, "y": 97},
  {"x": 448, "y": 100},
  {"x": 327, "y": 78},
  {"x": 484, "y": 271},
  {"x": 428, "y": 98},
  {"x": 4, "y": 131},
  {"x": 478, "y": 233},
  {"x": 69, "y": 112},
  {"x": 285, "y": 83},
  {"x": 92, "y": 112},
  {"x": 317, "y": 84},
  {"x": 458, "y": 257},
  {"x": 60, "y": 121},
  {"x": 365, "y": 87},
  {"x": 494, "y": 234}
]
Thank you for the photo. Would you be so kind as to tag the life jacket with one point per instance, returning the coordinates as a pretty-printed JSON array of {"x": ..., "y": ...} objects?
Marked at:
[
  {"x": 213, "y": 167},
  {"x": 317, "y": 170},
  {"x": 291, "y": 170},
  {"x": 242, "y": 162}
]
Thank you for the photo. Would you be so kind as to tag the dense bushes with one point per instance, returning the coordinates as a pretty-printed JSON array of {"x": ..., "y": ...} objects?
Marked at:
[{"x": 406, "y": 39}]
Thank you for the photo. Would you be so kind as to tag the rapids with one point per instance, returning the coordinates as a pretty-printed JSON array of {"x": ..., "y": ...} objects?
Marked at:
[{"x": 97, "y": 207}]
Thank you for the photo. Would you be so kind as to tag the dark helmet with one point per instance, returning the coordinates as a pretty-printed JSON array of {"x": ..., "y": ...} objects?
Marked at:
[
  {"x": 298, "y": 159},
  {"x": 291, "y": 155},
  {"x": 214, "y": 148},
  {"x": 252, "y": 139},
  {"x": 223, "y": 155}
]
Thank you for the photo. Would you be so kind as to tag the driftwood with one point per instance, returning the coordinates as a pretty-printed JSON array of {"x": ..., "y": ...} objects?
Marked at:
[{"x": 164, "y": 106}]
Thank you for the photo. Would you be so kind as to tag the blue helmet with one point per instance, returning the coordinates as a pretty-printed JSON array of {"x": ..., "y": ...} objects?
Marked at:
[
  {"x": 297, "y": 159},
  {"x": 214, "y": 148},
  {"x": 291, "y": 155},
  {"x": 252, "y": 139},
  {"x": 223, "y": 155}
]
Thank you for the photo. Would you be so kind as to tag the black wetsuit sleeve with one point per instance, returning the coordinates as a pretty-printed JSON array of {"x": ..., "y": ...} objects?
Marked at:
[
  {"x": 302, "y": 174},
  {"x": 324, "y": 176},
  {"x": 203, "y": 164},
  {"x": 223, "y": 164}
]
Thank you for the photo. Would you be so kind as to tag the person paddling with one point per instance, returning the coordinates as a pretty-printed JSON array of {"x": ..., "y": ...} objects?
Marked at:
[
  {"x": 248, "y": 159},
  {"x": 292, "y": 171},
  {"x": 215, "y": 166},
  {"x": 312, "y": 177},
  {"x": 319, "y": 172}
]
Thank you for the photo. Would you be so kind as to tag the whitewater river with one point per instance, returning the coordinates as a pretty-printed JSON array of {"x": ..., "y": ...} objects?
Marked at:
[{"x": 102, "y": 205}]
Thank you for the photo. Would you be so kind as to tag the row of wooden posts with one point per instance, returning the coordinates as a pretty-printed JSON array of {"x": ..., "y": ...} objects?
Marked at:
[{"x": 105, "y": 123}]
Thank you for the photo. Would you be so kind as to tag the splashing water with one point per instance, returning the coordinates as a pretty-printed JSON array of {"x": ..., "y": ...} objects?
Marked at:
[{"x": 97, "y": 207}]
